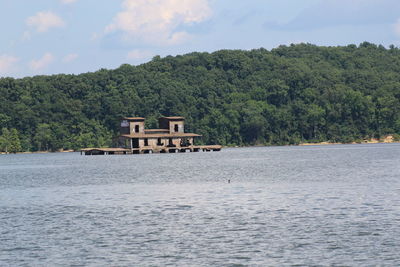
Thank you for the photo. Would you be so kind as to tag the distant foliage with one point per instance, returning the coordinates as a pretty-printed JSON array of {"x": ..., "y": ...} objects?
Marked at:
[
  {"x": 291, "y": 94},
  {"x": 9, "y": 141}
]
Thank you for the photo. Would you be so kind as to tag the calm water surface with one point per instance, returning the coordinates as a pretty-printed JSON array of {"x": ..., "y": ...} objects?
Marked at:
[{"x": 317, "y": 205}]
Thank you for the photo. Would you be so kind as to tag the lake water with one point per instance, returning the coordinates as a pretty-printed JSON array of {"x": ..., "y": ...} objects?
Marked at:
[{"x": 315, "y": 205}]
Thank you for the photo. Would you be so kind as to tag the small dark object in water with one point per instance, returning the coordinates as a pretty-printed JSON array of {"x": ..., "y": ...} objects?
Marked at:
[{"x": 229, "y": 181}]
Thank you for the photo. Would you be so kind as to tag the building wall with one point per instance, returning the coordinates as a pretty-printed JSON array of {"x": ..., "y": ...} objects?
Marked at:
[
  {"x": 132, "y": 126},
  {"x": 124, "y": 127},
  {"x": 141, "y": 142},
  {"x": 124, "y": 130},
  {"x": 176, "y": 141},
  {"x": 181, "y": 126},
  {"x": 124, "y": 142},
  {"x": 165, "y": 123},
  {"x": 153, "y": 142}
]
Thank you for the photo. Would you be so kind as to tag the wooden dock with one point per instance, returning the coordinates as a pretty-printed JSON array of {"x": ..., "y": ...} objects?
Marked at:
[
  {"x": 148, "y": 150},
  {"x": 105, "y": 151}
]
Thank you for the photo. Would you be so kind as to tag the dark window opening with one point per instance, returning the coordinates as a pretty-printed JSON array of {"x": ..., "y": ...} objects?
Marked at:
[
  {"x": 176, "y": 127},
  {"x": 146, "y": 142},
  {"x": 185, "y": 142},
  {"x": 136, "y": 128},
  {"x": 170, "y": 143},
  {"x": 135, "y": 143},
  {"x": 159, "y": 143}
]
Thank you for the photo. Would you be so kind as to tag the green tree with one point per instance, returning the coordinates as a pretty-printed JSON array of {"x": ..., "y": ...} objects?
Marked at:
[
  {"x": 9, "y": 141},
  {"x": 5, "y": 140},
  {"x": 291, "y": 94},
  {"x": 15, "y": 143},
  {"x": 43, "y": 137},
  {"x": 4, "y": 119}
]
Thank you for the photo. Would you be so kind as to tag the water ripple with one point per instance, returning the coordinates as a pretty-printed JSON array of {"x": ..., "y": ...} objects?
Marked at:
[{"x": 285, "y": 206}]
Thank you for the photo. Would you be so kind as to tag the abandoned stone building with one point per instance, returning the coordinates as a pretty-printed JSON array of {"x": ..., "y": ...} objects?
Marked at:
[{"x": 169, "y": 138}]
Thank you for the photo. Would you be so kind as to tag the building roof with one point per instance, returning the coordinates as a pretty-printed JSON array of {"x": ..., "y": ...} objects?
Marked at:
[
  {"x": 173, "y": 118},
  {"x": 162, "y": 135},
  {"x": 133, "y": 118},
  {"x": 156, "y": 130},
  {"x": 105, "y": 149}
]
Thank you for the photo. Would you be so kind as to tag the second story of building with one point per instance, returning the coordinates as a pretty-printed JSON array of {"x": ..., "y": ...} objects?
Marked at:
[
  {"x": 173, "y": 124},
  {"x": 167, "y": 125},
  {"x": 132, "y": 125},
  {"x": 171, "y": 133}
]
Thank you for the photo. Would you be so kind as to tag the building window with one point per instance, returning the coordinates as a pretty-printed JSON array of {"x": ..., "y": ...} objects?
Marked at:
[
  {"x": 159, "y": 143},
  {"x": 136, "y": 128},
  {"x": 146, "y": 142},
  {"x": 176, "y": 127},
  {"x": 170, "y": 142}
]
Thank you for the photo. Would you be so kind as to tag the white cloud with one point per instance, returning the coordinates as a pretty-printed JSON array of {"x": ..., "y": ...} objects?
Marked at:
[
  {"x": 69, "y": 58},
  {"x": 156, "y": 21},
  {"x": 397, "y": 27},
  {"x": 95, "y": 36},
  {"x": 26, "y": 36},
  {"x": 337, "y": 13},
  {"x": 139, "y": 54},
  {"x": 42, "y": 63},
  {"x": 45, "y": 20},
  {"x": 7, "y": 64},
  {"x": 68, "y": 1}
]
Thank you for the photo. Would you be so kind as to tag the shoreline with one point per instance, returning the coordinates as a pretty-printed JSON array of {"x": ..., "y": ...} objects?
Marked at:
[
  {"x": 387, "y": 140},
  {"x": 39, "y": 152}
]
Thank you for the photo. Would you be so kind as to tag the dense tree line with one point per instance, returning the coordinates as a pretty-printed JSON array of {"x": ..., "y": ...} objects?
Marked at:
[{"x": 291, "y": 94}]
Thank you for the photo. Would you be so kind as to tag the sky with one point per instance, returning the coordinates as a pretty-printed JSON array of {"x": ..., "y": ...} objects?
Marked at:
[{"x": 43, "y": 37}]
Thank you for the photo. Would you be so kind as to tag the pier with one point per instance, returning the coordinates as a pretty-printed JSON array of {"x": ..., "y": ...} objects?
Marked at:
[
  {"x": 170, "y": 137},
  {"x": 148, "y": 150}
]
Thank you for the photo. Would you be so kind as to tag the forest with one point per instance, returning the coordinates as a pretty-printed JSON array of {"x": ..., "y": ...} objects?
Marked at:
[{"x": 288, "y": 95}]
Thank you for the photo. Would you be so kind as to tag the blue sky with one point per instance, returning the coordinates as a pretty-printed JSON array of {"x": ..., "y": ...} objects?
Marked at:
[{"x": 76, "y": 36}]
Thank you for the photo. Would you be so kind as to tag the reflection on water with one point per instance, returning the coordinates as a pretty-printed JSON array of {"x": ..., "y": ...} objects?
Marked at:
[{"x": 322, "y": 205}]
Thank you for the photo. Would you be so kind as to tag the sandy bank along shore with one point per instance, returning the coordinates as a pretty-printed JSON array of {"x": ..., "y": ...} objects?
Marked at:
[
  {"x": 38, "y": 152},
  {"x": 387, "y": 139}
]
